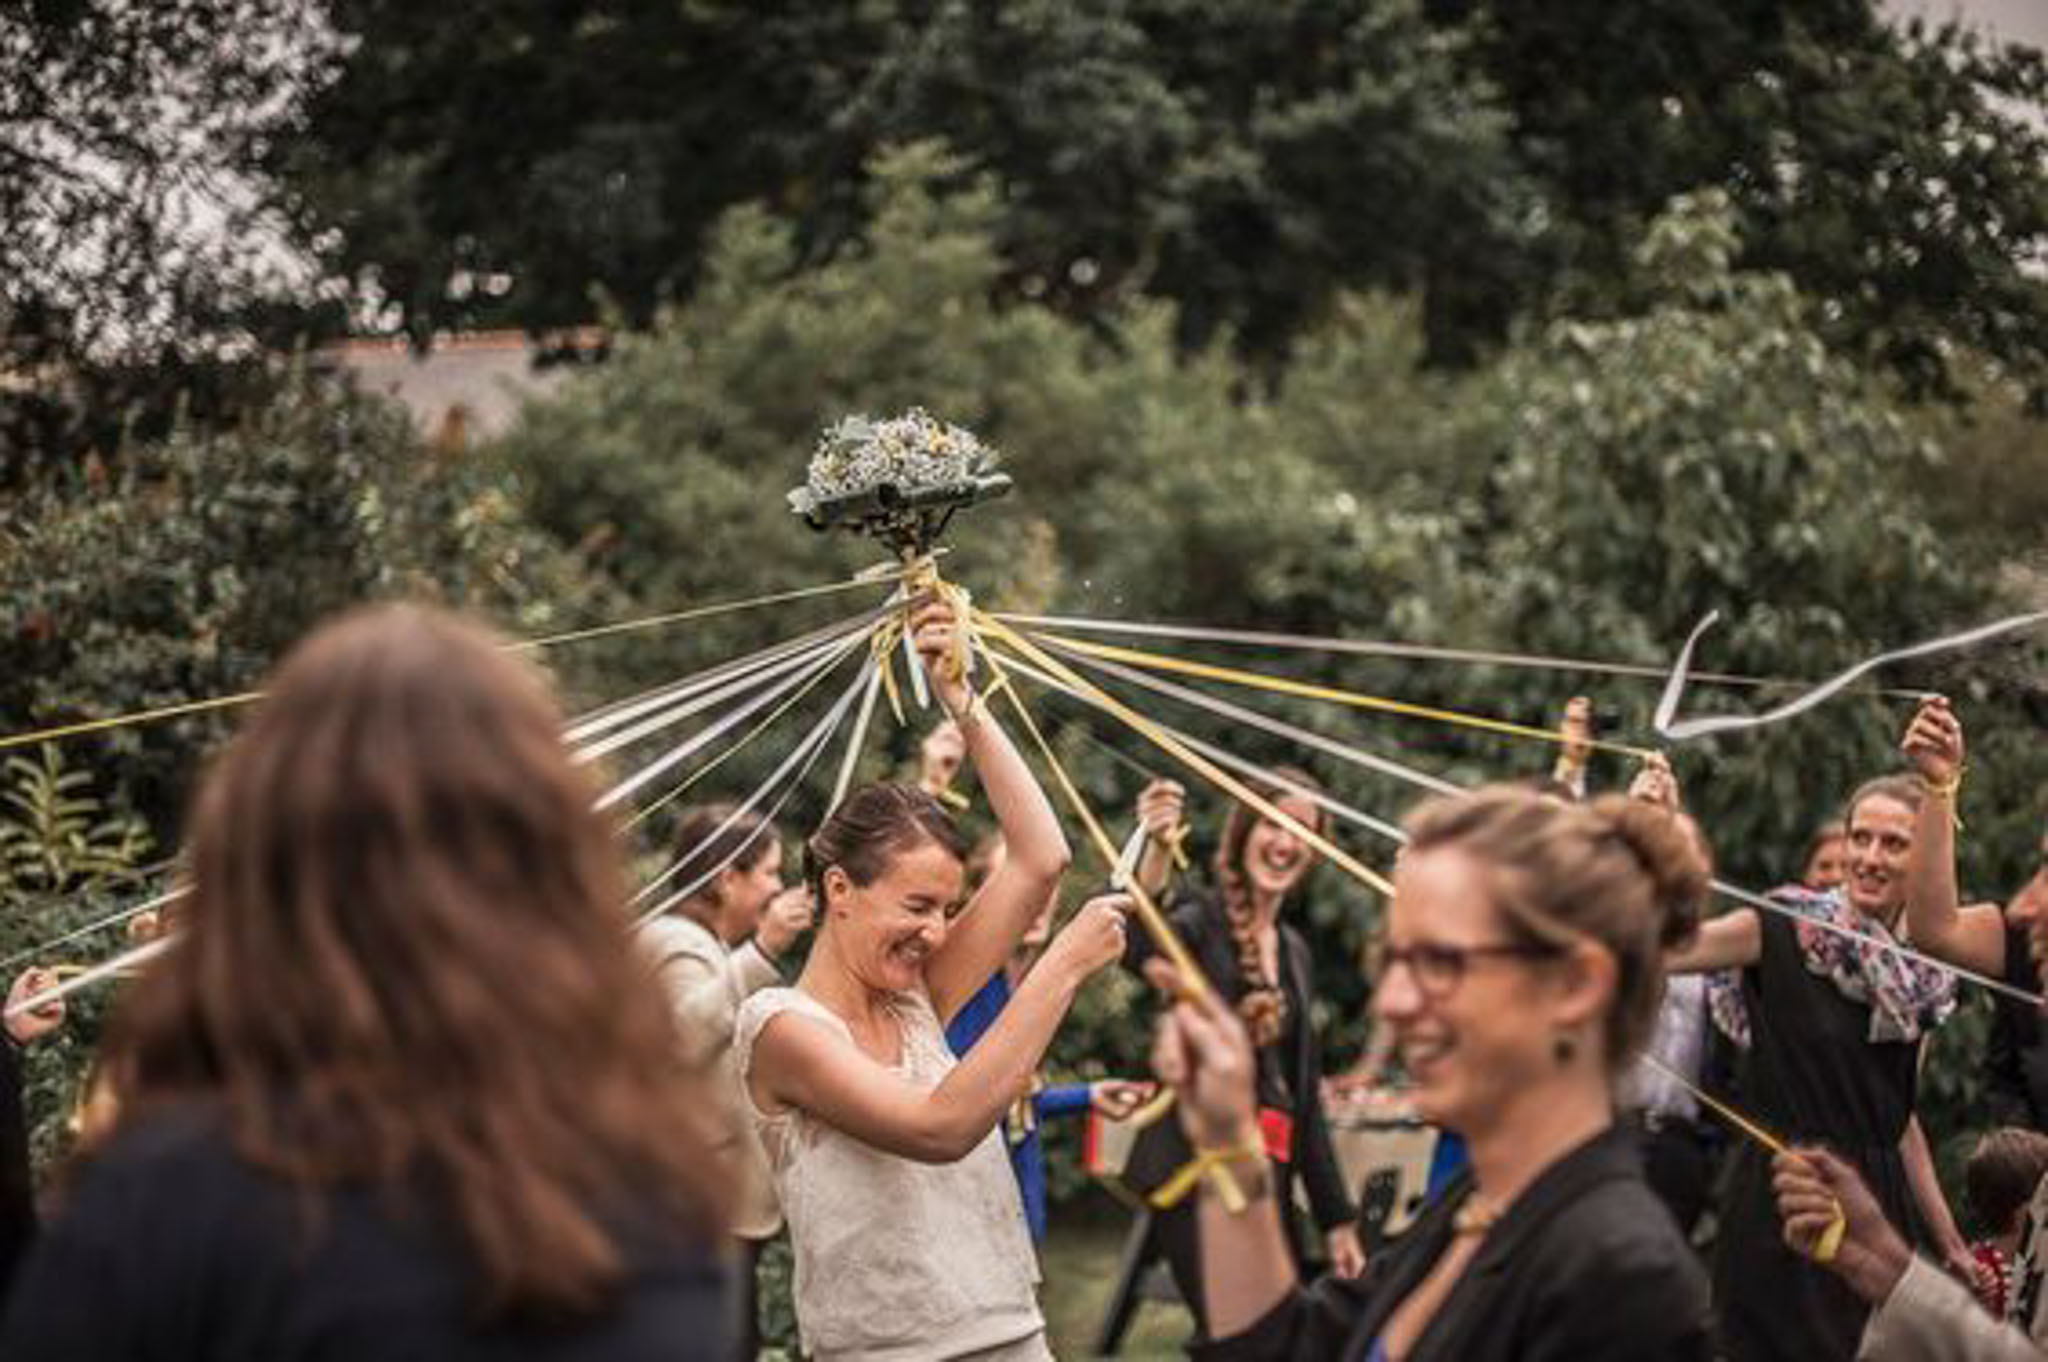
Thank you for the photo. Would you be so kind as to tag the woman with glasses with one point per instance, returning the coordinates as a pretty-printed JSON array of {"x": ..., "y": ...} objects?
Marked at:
[
  {"x": 1262, "y": 966},
  {"x": 1521, "y": 974}
]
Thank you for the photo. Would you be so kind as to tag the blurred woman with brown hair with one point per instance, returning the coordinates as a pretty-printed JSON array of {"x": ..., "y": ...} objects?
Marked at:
[{"x": 401, "y": 1089}]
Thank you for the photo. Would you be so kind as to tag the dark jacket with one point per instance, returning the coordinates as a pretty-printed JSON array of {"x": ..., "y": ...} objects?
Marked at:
[
  {"x": 2016, "y": 1054},
  {"x": 172, "y": 1247},
  {"x": 17, "y": 1187},
  {"x": 1292, "y": 1074},
  {"x": 1584, "y": 1267}
]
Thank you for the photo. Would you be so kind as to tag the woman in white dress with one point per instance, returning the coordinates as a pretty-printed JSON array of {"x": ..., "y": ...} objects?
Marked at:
[{"x": 908, "y": 1230}]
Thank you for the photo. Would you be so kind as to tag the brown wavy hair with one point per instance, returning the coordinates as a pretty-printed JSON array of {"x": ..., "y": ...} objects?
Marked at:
[
  {"x": 404, "y": 962},
  {"x": 872, "y": 827},
  {"x": 1262, "y": 1006}
]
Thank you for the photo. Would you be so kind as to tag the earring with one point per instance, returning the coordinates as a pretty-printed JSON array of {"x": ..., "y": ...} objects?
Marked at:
[{"x": 1563, "y": 1046}]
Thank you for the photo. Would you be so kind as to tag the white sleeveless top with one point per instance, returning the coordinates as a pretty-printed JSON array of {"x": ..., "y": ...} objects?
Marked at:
[{"x": 895, "y": 1259}]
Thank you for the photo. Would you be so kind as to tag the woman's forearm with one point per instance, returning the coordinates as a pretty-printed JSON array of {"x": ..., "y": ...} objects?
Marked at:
[
  {"x": 982, "y": 938},
  {"x": 1032, "y": 837},
  {"x": 973, "y": 1097},
  {"x": 1731, "y": 941},
  {"x": 1246, "y": 1268},
  {"x": 1932, "y": 903}
]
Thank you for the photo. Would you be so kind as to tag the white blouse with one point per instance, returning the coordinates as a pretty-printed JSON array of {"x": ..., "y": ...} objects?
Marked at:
[{"x": 895, "y": 1259}]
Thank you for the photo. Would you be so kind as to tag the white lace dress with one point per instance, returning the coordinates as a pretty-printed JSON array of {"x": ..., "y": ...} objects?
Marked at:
[{"x": 895, "y": 1259}]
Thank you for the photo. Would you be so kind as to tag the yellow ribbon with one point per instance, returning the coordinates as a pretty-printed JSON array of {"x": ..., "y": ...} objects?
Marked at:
[
  {"x": 1307, "y": 690},
  {"x": 141, "y": 716},
  {"x": 1950, "y": 790},
  {"x": 921, "y": 580},
  {"x": 1176, "y": 846},
  {"x": 144, "y": 716},
  {"x": 1830, "y": 1241},
  {"x": 1150, "y": 917},
  {"x": 1214, "y": 774},
  {"x": 1212, "y": 1164}
]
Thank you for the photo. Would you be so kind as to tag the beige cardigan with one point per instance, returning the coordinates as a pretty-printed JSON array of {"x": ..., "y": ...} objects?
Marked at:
[
  {"x": 706, "y": 984},
  {"x": 1932, "y": 1317}
]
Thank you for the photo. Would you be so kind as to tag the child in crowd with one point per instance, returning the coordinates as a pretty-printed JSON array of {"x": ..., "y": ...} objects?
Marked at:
[{"x": 1999, "y": 1180}]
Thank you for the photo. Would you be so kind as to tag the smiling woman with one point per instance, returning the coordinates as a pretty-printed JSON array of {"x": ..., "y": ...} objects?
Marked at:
[
  {"x": 1835, "y": 1028},
  {"x": 1260, "y": 964},
  {"x": 908, "y": 1229},
  {"x": 1522, "y": 973}
]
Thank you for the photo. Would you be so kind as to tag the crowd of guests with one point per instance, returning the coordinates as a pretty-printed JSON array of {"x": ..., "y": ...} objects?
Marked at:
[{"x": 403, "y": 1088}]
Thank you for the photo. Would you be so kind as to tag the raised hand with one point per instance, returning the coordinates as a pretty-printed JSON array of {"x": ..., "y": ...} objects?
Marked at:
[
  {"x": 788, "y": 916},
  {"x": 939, "y": 757},
  {"x": 1576, "y": 728},
  {"x": 1934, "y": 741},
  {"x": 1201, "y": 1050},
  {"x": 1162, "y": 807},
  {"x": 1813, "y": 1189},
  {"x": 1117, "y": 1098},
  {"x": 1655, "y": 783},
  {"x": 935, "y": 633},
  {"x": 39, "y": 1021},
  {"x": 1093, "y": 938}
]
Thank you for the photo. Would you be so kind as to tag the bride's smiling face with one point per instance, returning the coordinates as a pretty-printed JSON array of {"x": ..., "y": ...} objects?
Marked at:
[{"x": 889, "y": 928}]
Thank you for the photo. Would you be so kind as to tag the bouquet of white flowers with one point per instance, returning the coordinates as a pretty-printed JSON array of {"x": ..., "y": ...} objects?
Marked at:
[
  {"x": 912, "y": 453},
  {"x": 898, "y": 478}
]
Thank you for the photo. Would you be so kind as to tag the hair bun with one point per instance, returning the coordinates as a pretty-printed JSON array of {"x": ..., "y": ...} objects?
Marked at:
[{"x": 1674, "y": 856}]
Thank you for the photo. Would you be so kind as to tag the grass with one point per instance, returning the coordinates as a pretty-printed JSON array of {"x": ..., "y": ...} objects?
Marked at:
[{"x": 1080, "y": 1263}]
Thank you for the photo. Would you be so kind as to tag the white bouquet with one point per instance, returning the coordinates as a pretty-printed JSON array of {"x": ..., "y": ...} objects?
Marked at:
[{"x": 910, "y": 453}]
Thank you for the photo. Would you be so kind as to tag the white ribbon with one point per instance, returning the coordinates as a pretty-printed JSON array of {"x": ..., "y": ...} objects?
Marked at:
[
  {"x": 1679, "y": 730},
  {"x": 725, "y": 723},
  {"x": 1439, "y": 786},
  {"x": 807, "y": 752}
]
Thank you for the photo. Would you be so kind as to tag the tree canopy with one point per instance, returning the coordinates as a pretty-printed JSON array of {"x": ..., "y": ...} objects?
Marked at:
[{"x": 1246, "y": 160}]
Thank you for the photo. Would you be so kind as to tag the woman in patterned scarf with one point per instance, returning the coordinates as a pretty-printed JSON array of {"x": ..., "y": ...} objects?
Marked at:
[{"x": 1836, "y": 1024}]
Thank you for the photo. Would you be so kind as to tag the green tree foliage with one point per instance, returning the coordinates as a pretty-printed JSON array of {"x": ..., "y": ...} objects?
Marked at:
[
  {"x": 208, "y": 555},
  {"x": 54, "y": 837},
  {"x": 1245, "y": 160},
  {"x": 1715, "y": 454},
  {"x": 67, "y": 861},
  {"x": 1896, "y": 173}
]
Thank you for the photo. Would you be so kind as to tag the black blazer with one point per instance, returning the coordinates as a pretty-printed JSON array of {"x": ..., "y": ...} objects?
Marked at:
[
  {"x": 1586, "y": 1266},
  {"x": 1292, "y": 1075}
]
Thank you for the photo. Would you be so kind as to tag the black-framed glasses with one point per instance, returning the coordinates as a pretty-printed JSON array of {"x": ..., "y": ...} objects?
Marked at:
[{"x": 1438, "y": 967}]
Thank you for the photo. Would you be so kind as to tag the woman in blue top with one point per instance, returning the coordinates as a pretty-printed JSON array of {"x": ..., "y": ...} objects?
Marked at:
[{"x": 1113, "y": 1097}]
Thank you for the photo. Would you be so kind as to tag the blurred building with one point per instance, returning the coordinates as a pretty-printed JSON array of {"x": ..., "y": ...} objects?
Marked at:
[{"x": 471, "y": 384}]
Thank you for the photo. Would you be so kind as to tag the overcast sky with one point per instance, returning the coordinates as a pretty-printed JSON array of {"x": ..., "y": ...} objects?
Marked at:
[{"x": 2024, "y": 21}]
